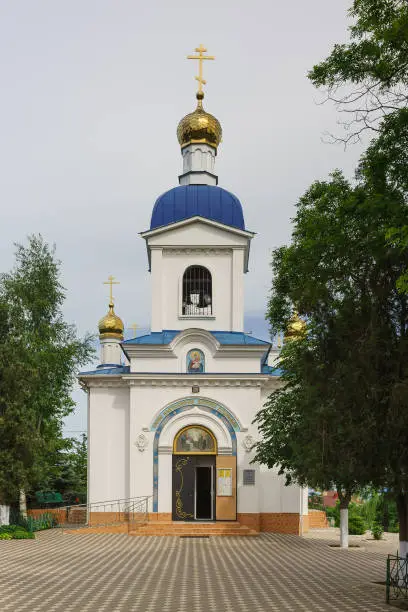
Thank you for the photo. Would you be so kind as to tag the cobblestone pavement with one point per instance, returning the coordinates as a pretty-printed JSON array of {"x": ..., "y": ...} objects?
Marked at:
[{"x": 110, "y": 572}]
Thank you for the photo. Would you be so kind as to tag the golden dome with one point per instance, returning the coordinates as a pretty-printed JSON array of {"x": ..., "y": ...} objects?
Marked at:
[
  {"x": 199, "y": 126},
  {"x": 296, "y": 327},
  {"x": 111, "y": 326}
]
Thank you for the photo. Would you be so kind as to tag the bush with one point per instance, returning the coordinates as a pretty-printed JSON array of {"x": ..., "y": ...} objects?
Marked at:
[
  {"x": 15, "y": 532},
  {"x": 23, "y": 535},
  {"x": 377, "y": 531},
  {"x": 334, "y": 513},
  {"x": 356, "y": 524}
]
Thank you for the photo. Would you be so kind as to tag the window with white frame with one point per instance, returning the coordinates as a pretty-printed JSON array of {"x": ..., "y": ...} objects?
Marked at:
[{"x": 197, "y": 292}]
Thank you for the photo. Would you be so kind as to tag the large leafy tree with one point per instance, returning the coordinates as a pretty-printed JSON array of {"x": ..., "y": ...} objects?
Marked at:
[
  {"x": 39, "y": 356},
  {"x": 367, "y": 78},
  {"x": 341, "y": 419}
]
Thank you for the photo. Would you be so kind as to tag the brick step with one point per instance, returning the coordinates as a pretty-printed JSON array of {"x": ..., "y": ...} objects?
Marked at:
[
  {"x": 176, "y": 528},
  {"x": 172, "y": 532}
]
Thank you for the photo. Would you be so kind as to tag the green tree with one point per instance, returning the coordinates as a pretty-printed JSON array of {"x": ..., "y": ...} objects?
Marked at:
[
  {"x": 367, "y": 78},
  {"x": 340, "y": 419},
  {"x": 71, "y": 480},
  {"x": 39, "y": 356}
]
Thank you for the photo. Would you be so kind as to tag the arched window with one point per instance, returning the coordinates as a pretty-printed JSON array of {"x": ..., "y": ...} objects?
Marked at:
[
  {"x": 195, "y": 440},
  {"x": 197, "y": 291}
]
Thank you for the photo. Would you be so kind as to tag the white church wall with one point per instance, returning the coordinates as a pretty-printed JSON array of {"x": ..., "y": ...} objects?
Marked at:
[
  {"x": 221, "y": 251},
  {"x": 220, "y": 266},
  {"x": 108, "y": 422},
  {"x": 147, "y": 402},
  {"x": 178, "y": 365}
]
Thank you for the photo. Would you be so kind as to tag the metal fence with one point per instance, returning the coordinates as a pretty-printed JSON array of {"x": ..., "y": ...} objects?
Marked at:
[
  {"x": 125, "y": 513},
  {"x": 397, "y": 578}
]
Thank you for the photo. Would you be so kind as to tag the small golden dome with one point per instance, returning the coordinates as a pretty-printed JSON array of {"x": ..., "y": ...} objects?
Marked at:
[
  {"x": 199, "y": 126},
  {"x": 111, "y": 326},
  {"x": 296, "y": 327}
]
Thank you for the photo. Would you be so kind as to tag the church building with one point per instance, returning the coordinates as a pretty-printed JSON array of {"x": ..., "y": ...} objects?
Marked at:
[{"x": 170, "y": 413}]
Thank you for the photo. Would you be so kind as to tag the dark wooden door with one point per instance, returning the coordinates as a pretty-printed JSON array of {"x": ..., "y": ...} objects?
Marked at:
[{"x": 183, "y": 487}]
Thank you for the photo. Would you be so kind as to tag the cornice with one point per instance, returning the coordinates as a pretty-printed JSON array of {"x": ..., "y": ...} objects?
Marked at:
[{"x": 180, "y": 380}]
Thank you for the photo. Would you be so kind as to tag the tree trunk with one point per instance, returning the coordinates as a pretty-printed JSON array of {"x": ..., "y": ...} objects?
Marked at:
[
  {"x": 4, "y": 514},
  {"x": 23, "y": 504},
  {"x": 344, "y": 505},
  {"x": 402, "y": 506}
]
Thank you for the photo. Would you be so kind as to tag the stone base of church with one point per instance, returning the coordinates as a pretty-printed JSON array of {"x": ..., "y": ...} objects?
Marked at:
[{"x": 275, "y": 522}]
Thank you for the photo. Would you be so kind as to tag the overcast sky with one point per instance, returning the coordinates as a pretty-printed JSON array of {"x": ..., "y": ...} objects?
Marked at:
[{"x": 92, "y": 91}]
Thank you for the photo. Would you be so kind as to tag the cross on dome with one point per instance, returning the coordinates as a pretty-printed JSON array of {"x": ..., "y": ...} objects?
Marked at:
[
  {"x": 111, "y": 282},
  {"x": 200, "y": 57}
]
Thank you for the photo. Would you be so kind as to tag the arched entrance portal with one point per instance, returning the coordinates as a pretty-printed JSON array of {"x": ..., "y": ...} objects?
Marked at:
[{"x": 193, "y": 474}]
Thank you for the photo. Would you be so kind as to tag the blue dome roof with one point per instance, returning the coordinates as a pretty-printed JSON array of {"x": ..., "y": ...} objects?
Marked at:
[{"x": 206, "y": 201}]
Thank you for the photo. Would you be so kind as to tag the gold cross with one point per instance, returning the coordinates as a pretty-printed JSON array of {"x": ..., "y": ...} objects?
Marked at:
[
  {"x": 111, "y": 282},
  {"x": 200, "y": 57},
  {"x": 134, "y": 326}
]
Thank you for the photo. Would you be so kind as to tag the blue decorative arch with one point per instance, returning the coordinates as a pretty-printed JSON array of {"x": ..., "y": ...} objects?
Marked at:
[{"x": 176, "y": 408}]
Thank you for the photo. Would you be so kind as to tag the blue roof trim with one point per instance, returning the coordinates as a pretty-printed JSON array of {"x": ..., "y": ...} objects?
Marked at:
[
  {"x": 104, "y": 371},
  {"x": 266, "y": 369},
  {"x": 237, "y": 338},
  {"x": 163, "y": 337},
  {"x": 225, "y": 338},
  {"x": 208, "y": 201}
]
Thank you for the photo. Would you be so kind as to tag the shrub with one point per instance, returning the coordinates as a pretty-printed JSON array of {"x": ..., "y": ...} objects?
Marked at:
[
  {"x": 6, "y": 536},
  {"x": 377, "y": 531},
  {"x": 23, "y": 535},
  {"x": 334, "y": 513},
  {"x": 357, "y": 525}
]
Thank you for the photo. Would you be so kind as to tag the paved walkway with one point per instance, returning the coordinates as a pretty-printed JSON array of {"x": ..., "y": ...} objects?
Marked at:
[{"x": 110, "y": 573}]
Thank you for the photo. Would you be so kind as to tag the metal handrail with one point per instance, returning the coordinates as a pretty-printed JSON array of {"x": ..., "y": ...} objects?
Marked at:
[{"x": 110, "y": 512}]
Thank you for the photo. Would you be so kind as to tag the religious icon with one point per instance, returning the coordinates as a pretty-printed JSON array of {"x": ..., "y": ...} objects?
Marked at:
[
  {"x": 195, "y": 361},
  {"x": 195, "y": 440}
]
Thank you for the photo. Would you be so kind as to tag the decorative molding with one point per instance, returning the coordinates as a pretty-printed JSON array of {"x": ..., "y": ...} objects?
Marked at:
[
  {"x": 198, "y": 404},
  {"x": 100, "y": 381},
  {"x": 141, "y": 442},
  {"x": 165, "y": 450},
  {"x": 248, "y": 443},
  {"x": 188, "y": 382},
  {"x": 175, "y": 408},
  {"x": 197, "y": 250}
]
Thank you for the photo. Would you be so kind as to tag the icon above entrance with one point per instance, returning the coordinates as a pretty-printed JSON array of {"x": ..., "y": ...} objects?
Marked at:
[{"x": 204, "y": 484}]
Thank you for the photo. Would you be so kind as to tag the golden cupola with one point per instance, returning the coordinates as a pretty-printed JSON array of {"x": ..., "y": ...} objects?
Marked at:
[
  {"x": 199, "y": 127},
  {"x": 296, "y": 328},
  {"x": 111, "y": 326}
]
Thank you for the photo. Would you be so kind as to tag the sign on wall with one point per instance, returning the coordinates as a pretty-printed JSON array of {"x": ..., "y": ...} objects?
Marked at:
[{"x": 224, "y": 482}]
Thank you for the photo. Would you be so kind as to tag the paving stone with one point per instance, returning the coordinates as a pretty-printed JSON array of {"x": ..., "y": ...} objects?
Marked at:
[{"x": 114, "y": 572}]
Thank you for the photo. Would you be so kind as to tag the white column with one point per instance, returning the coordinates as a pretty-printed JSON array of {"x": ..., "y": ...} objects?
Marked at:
[
  {"x": 157, "y": 289},
  {"x": 111, "y": 351},
  {"x": 198, "y": 165},
  {"x": 237, "y": 279}
]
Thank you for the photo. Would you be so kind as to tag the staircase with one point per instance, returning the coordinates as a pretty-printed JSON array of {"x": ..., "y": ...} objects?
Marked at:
[
  {"x": 317, "y": 519},
  {"x": 188, "y": 529}
]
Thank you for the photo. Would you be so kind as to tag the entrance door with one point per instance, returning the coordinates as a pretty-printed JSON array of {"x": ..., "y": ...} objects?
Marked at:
[
  {"x": 183, "y": 487},
  {"x": 204, "y": 493},
  {"x": 193, "y": 487},
  {"x": 226, "y": 488}
]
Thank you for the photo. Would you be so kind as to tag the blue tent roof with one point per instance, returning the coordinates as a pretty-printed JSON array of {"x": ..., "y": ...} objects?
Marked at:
[
  {"x": 206, "y": 201},
  {"x": 223, "y": 337}
]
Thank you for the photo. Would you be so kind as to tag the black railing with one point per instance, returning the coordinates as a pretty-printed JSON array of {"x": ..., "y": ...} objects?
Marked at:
[{"x": 397, "y": 578}]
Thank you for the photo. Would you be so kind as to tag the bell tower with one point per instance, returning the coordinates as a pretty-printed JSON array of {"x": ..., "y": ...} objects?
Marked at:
[{"x": 197, "y": 245}]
